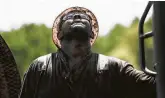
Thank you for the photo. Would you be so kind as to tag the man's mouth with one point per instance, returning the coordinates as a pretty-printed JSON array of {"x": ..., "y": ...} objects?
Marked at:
[
  {"x": 79, "y": 29},
  {"x": 78, "y": 26}
]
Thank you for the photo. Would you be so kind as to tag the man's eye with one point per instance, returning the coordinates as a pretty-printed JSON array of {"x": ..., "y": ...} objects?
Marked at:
[{"x": 67, "y": 17}]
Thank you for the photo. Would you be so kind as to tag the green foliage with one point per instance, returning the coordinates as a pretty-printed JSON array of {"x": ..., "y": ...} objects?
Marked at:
[{"x": 31, "y": 41}]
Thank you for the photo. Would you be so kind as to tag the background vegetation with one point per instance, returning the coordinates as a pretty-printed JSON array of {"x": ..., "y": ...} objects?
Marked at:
[{"x": 33, "y": 40}]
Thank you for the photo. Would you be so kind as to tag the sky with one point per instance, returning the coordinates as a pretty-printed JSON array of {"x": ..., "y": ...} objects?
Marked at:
[{"x": 14, "y": 13}]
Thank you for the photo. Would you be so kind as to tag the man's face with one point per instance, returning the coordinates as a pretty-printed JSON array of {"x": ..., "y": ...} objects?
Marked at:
[{"x": 75, "y": 34}]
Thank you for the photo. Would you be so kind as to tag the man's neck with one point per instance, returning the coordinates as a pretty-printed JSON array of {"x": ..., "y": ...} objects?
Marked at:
[{"x": 74, "y": 60}]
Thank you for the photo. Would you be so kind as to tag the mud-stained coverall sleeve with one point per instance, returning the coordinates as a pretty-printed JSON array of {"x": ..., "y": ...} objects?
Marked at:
[
  {"x": 135, "y": 83},
  {"x": 29, "y": 82}
]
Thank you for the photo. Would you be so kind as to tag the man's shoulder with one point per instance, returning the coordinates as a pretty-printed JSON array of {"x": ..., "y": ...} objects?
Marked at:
[
  {"x": 104, "y": 61},
  {"x": 43, "y": 58},
  {"x": 106, "y": 58},
  {"x": 40, "y": 63}
]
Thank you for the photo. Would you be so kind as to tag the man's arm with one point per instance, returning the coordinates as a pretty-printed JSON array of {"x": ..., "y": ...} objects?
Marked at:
[
  {"x": 32, "y": 77},
  {"x": 29, "y": 82},
  {"x": 135, "y": 83}
]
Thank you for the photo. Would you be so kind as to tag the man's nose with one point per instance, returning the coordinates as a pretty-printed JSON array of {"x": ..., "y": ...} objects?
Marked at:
[{"x": 77, "y": 16}]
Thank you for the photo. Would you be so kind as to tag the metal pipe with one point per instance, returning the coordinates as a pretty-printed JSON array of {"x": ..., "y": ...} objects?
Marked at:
[
  {"x": 142, "y": 36},
  {"x": 159, "y": 45},
  {"x": 147, "y": 35}
]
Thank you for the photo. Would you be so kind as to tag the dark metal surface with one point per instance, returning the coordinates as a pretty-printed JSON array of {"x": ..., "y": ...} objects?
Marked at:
[
  {"x": 159, "y": 45},
  {"x": 142, "y": 37},
  {"x": 10, "y": 81}
]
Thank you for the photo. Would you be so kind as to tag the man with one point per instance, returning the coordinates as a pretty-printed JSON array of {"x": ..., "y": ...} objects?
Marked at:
[{"x": 74, "y": 71}]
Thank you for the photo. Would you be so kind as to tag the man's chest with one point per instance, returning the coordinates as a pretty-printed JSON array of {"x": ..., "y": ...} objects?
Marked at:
[{"x": 101, "y": 85}]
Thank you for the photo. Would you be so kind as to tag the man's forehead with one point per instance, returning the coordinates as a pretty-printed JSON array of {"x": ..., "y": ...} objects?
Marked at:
[
  {"x": 73, "y": 13},
  {"x": 76, "y": 12}
]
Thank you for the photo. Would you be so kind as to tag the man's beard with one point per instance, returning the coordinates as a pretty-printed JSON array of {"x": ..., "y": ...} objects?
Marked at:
[
  {"x": 76, "y": 51},
  {"x": 79, "y": 51}
]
